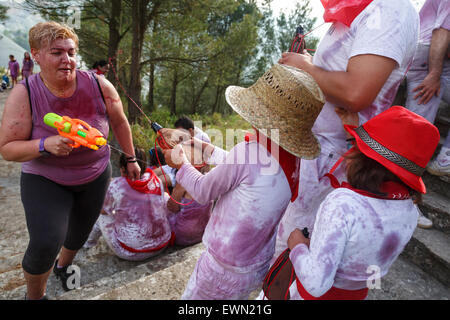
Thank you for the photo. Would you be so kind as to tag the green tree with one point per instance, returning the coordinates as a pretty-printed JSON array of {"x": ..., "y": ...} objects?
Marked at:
[
  {"x": 276, "y": 35},
  {"x": 193, "y": 49},
  {"x": 104, "y": 24},
  {"x": 187, "y": 51},
  {"x": 287, "y": 25},
  {"x": 237, "y": 33}
]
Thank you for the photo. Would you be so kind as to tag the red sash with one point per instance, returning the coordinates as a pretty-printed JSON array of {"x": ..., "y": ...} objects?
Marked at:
[
  {"x": 344, "y": 11},
  {"x": 334, "y": 293},
  {"x": 286, "y": 160},
  {"x": 142, "y": 185},
  {"x": 171, "y": 242}
]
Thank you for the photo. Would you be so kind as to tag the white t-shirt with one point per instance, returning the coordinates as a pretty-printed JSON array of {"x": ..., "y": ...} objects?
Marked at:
[
  {"x": 434, "y": 14},
  {"x": 353, "y": 237},
  {"x": 252, "y": 197},
  {"x": 170, "y": 174},
  {"x": 385, "y": 28}
]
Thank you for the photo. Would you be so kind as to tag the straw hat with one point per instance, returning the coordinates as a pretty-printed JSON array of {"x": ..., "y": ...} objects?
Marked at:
[
  {"x": 284, "y": 98},
  {"x": 401, "y": 141}
]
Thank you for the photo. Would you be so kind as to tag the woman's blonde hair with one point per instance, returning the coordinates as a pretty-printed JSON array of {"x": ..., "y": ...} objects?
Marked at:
[{"x": 44, "y": 33}]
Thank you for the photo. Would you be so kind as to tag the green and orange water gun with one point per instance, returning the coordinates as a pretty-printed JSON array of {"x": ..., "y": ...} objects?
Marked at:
[{"x": 77, "y": 130}]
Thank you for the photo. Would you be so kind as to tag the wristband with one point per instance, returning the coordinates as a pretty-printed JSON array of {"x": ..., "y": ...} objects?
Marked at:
[{"x": 42, "y": 150}]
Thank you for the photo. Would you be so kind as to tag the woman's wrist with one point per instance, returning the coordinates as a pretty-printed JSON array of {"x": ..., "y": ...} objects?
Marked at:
[
  {"x": 310, "y": 68},
  {"x": 131, "y": 159}
]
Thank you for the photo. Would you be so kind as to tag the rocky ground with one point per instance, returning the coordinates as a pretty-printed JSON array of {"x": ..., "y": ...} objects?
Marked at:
[{"x": 422, "y": 272}]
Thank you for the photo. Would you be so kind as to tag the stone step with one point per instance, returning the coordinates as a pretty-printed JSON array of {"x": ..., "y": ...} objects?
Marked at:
[
  {"x": 10, "y": 263},
  {"x": 442, "y": 122},
  {"x": 13, "y": 229},
  {"x": 95, "y": 263},
  {"x": 166, "y": 284},
  {"x": 12, "y": 282},
  {"x": 443, "y": 125},
  {"x": 123, "y": 278},
  {"x": 11, "y": 278},
  {"x": 406, "y": 281},
  {"x": 429, "y": 249},
  {"x": 443, "y": 114},
  {"x": 9, "y": 169},
  {"x": 437, "y": 184},
  {"x": 444, "y": 108},
  {"x": 437, "y": 208}
]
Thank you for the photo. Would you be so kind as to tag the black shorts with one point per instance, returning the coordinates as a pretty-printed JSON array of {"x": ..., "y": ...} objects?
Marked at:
[{"x": 58, "y": 215}]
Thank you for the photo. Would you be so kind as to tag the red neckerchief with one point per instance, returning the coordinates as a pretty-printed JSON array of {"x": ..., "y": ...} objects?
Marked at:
[
  {"x": 344, "y": 11},
  {"x": 389, "y": 190},
  {"x": 287, "y": 162},
  {"x": 169, "y": 243},
  {"x": 142, "y": 185}
]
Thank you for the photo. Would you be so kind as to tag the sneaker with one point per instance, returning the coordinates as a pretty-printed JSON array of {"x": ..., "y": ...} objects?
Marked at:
[
  {"x": 423, "y": 222},
  {"x": 441, "y": 165},
  {"x": 62, "y": 274}
]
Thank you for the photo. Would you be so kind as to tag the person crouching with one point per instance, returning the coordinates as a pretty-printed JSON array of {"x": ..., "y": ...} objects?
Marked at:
[
  {"x": 133, "y": 220},
  {"x": 188, "y": 220}
]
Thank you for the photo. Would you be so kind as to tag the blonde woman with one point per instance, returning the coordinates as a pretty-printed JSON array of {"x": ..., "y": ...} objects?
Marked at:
[{"x": 62, "y": 188}]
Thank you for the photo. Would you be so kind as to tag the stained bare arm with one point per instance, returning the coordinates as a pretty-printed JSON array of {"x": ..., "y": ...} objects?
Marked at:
[{"x": 119, "y": 125}]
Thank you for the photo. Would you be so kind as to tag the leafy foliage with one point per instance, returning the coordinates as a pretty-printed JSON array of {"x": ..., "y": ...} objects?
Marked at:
[
  {"x": 216, "y": 125},
  {"x": 190, "y": 52}
]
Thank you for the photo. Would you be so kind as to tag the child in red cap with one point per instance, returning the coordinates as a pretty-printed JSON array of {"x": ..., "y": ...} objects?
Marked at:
[{"x": 364, "y": 224}]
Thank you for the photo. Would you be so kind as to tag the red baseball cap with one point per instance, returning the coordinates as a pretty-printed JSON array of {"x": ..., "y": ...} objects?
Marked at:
[{"x": 401, "y": 141}]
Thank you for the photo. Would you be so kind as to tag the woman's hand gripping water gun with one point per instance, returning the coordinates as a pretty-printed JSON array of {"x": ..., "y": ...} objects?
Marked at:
[{"x": 76, "y": 130}]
